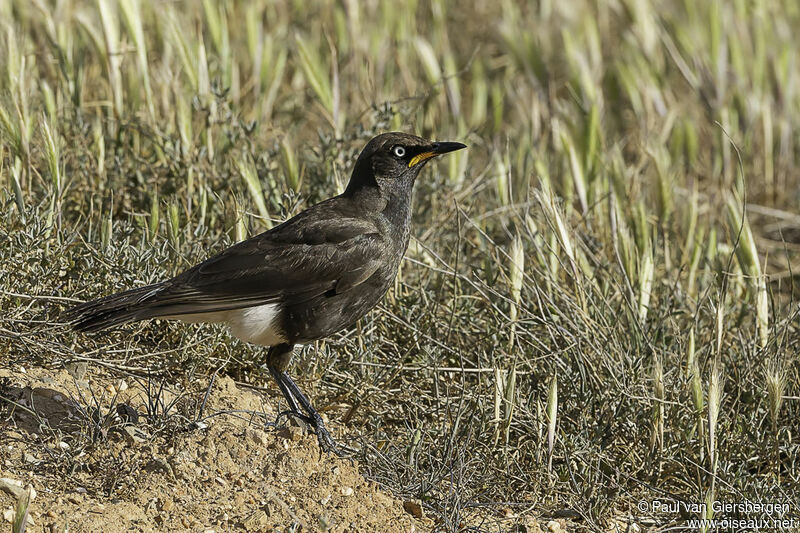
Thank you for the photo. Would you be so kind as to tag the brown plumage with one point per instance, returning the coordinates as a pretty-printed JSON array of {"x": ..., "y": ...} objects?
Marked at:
[{"x": 303, "y": 280}]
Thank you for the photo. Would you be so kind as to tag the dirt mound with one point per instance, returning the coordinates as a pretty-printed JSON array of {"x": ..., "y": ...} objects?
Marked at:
[{"x": 96, "y": 467}]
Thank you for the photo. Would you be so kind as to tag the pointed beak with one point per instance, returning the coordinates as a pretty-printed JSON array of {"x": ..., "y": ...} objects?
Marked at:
[
  {"x": 444, "y": 147},
  {"x": 437, "y": 148}
]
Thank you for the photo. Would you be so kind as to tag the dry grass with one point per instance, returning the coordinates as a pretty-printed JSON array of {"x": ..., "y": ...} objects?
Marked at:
[{"x": 598, "y": 307}]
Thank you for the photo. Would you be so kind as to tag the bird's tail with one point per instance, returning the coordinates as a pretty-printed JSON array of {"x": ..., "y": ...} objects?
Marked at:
[{"x": 114, "y": 310}]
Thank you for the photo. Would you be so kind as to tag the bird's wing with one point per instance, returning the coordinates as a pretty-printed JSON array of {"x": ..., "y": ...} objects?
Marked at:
[{"x": 298, "y": 260}]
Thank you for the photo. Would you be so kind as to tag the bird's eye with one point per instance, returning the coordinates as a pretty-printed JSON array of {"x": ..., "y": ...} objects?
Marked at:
[{"x": 399, "y": 151}]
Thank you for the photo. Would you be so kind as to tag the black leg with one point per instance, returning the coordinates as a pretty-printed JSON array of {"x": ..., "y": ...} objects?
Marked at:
[
  {"x": 276, "y": 375},
  {"x": 326, "y": 442},
  {"x": 277, "y": 361}
]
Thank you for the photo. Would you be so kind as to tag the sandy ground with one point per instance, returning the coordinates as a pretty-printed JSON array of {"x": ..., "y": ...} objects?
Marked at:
[{"x": 233, "y": 475}]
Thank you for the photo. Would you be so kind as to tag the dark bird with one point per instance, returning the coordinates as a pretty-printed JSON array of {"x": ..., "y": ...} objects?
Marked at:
[{"x": 303, "y": 280}]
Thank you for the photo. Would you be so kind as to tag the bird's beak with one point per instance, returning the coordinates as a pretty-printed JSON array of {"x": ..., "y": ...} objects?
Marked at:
[{"x": 437, "y": 148}]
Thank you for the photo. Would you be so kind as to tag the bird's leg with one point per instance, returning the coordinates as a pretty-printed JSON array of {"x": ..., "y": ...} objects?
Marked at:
[
  {"x": 278, "y": 361},
  {"x": 326, "y": 442},
  {"x": 294, "y": 409}
]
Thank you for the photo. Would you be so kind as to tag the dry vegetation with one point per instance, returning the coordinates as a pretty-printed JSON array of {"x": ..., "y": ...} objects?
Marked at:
[{"x": 598, "y": 305}]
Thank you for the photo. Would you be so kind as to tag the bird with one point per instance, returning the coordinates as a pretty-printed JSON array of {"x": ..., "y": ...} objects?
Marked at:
[{"x": 303, "y": 280}]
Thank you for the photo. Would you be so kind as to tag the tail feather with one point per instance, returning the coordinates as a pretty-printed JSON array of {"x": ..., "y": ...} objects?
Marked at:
[{"x": 114, "y": 309}]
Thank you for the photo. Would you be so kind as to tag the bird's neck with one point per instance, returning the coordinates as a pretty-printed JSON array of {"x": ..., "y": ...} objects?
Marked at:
[
  {"x": 368, "y": 198},
  {"x": 394, "y": 205},
  {"x": 398, "y": 209}
]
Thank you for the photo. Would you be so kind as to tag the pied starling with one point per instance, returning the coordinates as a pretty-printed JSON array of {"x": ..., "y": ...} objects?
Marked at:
[{"x": 303, "y": 280}]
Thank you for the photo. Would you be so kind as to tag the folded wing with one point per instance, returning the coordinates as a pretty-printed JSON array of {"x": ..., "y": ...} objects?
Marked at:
[{"x": 292, "y": 262}]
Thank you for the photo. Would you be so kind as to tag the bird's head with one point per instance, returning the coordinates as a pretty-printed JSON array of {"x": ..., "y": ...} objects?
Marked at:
[{"x": 392, "y": 161}]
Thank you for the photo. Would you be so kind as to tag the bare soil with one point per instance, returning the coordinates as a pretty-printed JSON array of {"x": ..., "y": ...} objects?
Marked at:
[{"x": 95, "y": 467}]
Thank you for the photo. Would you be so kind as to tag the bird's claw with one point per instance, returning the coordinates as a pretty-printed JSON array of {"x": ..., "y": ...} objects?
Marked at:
[
  {"x": 324, "y": 438},
  {"x": 317, "y": 426}
]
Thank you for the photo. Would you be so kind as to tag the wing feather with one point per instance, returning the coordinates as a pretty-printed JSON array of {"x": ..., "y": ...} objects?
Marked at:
[{"x": 292, "y": 262}]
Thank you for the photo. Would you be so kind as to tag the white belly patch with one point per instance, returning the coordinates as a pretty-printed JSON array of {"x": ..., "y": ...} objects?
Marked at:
[{"x": 257, "y": 325}]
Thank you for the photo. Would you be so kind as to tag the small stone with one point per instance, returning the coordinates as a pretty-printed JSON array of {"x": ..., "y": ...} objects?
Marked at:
[
  {"x": 30, "y": 458},
  {"x": 414, "y": 508},
  {"x": 15, "y": 487},
  {"x": 324, "y": 522},
  {"x": 292, "y": 433},
  {"x": 257, "y": 436},
  {"x": 133, "y": 435},
  {"x": 167, "y": 505},
  {"x": 12, "y": 487},
  {"x": 97, "y": 508},
  {"x": 347, "y": 491},
  {"x": 554, "y": 526},
  {"x": 78, "y": 370},
  {"x": 158, "y": 464},
  {"x": 257, "y": 521},
  {"x": 531, "y": 525},
  {"x": 8, "y": 515}
]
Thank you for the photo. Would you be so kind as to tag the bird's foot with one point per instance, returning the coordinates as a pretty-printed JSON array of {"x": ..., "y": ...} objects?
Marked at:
[
  {"x": 326, "y": 442},
  {"x": 313, "y": 424},
  {"x": 311, "y": 418}
]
